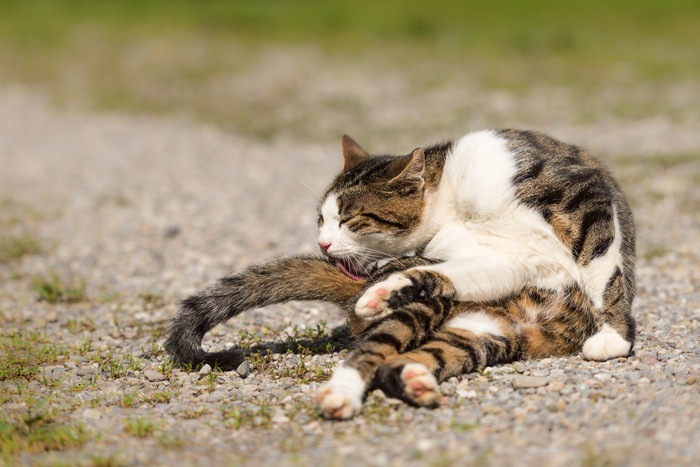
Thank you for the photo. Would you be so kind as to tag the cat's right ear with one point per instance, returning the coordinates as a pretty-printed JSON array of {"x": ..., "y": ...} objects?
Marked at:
[{"x": 353, "y": 153}]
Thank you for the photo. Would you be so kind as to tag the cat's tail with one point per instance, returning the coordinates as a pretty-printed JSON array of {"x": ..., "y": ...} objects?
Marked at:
[{"x": 280, "y": 280}]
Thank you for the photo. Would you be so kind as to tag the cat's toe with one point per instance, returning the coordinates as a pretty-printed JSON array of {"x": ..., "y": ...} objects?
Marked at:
[
  {"x": 420, "y": 385},
  {"x": 374, "y": 303},
  {"x": 337, "y": 403},
  {"x": 606, "y": 344}
]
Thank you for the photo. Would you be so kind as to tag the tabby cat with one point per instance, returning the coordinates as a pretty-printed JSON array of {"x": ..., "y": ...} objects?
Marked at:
[{"x": 501, "y": 245}]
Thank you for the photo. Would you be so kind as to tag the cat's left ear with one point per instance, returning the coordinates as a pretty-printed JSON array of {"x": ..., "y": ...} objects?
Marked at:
[
  {"x": 353, "y": 153},
  {"x": 412, "y": 173}
]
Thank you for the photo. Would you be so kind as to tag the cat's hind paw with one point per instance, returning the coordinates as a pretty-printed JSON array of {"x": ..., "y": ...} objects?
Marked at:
[
  {"x": 606, "y": 344},
  {"x": 420, "y": 385},
  {"x": 341, "y": 397},
  {"x": 374, "y": 303}
]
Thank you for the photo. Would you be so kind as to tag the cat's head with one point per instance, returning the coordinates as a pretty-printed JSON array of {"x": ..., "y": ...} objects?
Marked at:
[{"x": 372, "y": 209}]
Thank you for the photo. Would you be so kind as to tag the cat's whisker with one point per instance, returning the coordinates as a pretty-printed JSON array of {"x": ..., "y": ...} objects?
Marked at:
[
  {"x": 316, "y": 194},
  {"x": 366, "y": 271}
]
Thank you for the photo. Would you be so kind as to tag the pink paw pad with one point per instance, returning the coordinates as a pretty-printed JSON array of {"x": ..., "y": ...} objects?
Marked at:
[
  {"x": 418, "y": 388},
  {"x": 381, "y": 292}
]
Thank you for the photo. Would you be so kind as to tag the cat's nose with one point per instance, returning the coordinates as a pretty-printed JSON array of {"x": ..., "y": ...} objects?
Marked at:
[{"x": 324, "y": 246}]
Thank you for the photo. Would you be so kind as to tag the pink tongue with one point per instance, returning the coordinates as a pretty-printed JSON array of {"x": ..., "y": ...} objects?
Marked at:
[{"x": 339, "y": 264}]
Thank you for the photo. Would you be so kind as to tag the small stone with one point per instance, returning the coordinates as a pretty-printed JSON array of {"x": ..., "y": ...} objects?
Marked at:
[
  {"x": 447, "y": 388},
  {"x": 51, "y": 316},
  {"x": 464, "y": 394},
  {"x": 171, "y": 231},
  {"x": 312, "y": 428},
  {"x": 524, "y": 382},
  {"x": 558, "y": 406},
  {"x": 292, "y": 361},
  {"x": 205, "y": 370},
  {"x": 424, "y": 445},
  {"x": 278, "y": 419},
  {"x": 604, "y": 377},
  {"x": 557, "y": 385},
  {"x": 154, "y": 376},
  {"x": 491, "y": 409},
  {"x": 86, "y": 371},
  {"x": 648, "y": 359},
  {"x": 244, "y": 369}
]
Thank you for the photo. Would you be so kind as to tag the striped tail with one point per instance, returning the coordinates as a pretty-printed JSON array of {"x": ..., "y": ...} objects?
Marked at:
[{"x": 277, "y": 281}]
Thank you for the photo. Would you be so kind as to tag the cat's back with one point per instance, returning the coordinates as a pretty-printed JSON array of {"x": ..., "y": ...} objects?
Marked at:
[
  {"x": 577, "y": 195},
  {"x": 573, "y": 192},
  {"x": 571, "y": 189}
]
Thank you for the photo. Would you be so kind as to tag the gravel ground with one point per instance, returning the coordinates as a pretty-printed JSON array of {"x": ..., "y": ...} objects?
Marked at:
[{"x": 145, "y": 210}]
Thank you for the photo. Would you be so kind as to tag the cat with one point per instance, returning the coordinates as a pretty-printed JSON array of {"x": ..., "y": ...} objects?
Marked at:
[{"x": 501, "y": 245}]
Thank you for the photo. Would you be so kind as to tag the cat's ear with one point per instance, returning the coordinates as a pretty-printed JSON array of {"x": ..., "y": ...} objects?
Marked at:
[
  {"x": 353, "y": 153},
  {"x": 412, "y": 172}
]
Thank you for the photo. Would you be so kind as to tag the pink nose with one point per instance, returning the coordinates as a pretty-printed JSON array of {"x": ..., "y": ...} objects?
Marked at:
[{"x": 324, "y": 246}]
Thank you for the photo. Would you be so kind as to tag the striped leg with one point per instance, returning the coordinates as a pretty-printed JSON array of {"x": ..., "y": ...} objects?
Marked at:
[
  {"x": 461, "y": 345},
  {"x": 341, "y": 397}
]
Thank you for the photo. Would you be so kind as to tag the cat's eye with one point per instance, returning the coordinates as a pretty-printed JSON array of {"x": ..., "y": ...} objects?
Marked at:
[{"x": 320, "y": 220}]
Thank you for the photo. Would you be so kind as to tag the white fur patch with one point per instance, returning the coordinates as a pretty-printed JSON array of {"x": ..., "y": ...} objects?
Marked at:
[
  {"x": 330, "y": 230},
  {"x": 480, "y": 170},
  {"x": 478, "y": 323},
  {"x": 606, "y": 344},
  {"x": 598, "y": 272},
  {"x": 341, "y": 396}
]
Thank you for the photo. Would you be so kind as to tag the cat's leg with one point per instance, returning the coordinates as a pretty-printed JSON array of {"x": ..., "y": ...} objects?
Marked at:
[
  {"x": 401, "y": 289},
  {"x": 341, "y": 397},
  {"x": 471, "y": 340},
  {"x": 484, "y": 276},
  {"x": 615, "y": 337}
]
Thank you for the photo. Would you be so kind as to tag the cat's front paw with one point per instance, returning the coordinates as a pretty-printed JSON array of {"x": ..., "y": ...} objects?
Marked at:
[
  {"x": 606, "y": 344},
  {"x": 374, "y": 303},
  {"x": 336, "y": 403},
  {"x": 341, "y": 397},
  {"x": 420, "y": 385}
]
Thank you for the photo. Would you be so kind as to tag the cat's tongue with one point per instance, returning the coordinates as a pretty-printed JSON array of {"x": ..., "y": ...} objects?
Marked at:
[{"x": 348, "y": 270}]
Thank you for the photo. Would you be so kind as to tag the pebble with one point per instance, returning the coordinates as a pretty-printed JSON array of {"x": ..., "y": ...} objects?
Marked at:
[
  {"x": 491, "y": 409},
  {"x": 292, "y": 361},
  {"x": 525, "y": 382},
  {"x": 86, "y": 371},
  {"x": 205, "y": 370},
  {"x": 556, "y": 385},
  {"x": 649, "y": 359},
  {"x": 154, "y": 376},
  {"x": 244, "y": 369},
  {"x": 466, "y": 394}
]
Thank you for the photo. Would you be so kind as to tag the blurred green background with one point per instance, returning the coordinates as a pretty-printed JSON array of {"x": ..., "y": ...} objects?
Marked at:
[{"x": 272, "y": 67}]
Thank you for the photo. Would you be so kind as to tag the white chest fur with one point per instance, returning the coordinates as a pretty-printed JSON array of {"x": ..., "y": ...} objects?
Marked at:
[{"x": 477, "y": 220}]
